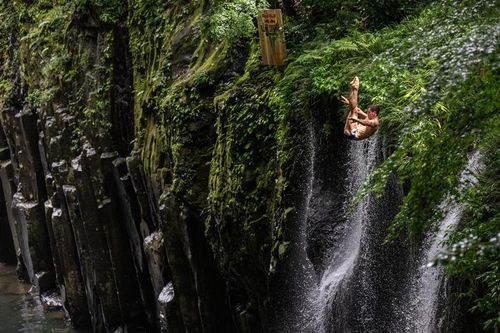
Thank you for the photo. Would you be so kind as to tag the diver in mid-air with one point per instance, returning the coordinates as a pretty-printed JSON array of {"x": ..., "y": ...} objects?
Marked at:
[{"x": 359, "y": 125}]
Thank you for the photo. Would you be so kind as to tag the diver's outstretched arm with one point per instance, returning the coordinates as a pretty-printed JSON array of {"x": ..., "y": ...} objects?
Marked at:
[{"x": 366, "y": 122}]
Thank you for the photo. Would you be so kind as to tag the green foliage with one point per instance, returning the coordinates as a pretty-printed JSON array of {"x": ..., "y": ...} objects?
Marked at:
[
  {"x": 152, "y": 24},
  {"x": 415, "y": 85},
  {"x": 474, "y": 252},
  {"x": 231, "y": 20},
  {"x": 108, "y": 11},
  {"x": 44, "y": 56},
  {"x": 174, "y": 91},
  {"x": 242, "y": 173},
  {"x": 57, "y": 71},
  {"x": 332, "y": 18},
  {"x": 7, "y": 25}
]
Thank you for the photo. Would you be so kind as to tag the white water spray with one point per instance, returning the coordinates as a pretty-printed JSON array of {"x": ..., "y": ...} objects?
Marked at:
[
  {"x": 303, "y": 281},
  {"x": 427, "y": 282},
  {"x": 362, "y": 159}
]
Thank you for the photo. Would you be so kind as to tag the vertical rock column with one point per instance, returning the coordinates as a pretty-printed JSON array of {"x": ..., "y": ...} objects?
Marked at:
[
  {"x": 56, "y": 139},
  {"x": 8, "y": 187},
  {"x": 8, "y": 236},
  {"x": 72, "y": 288},
  {"x": 102, "y": 250},
  {"x": 20, "y": 126},
  {"x": 100, "y": 279},
  {"x": 139, "y": 220},
  {"x": 182, "y": 276},
  {"x": 198, "y": 287},
  {"x": 132, "y": 308}
]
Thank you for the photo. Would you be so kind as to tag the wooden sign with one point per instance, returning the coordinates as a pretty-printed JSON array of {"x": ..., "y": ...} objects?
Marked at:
[{"x": 272, "y": 36}]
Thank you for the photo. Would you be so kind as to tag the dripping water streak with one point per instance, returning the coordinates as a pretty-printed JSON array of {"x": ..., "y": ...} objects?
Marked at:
[
  {"x": 428, "y": 279},
  {"x": 362, "y": 159},
  {"x": 302, "y": 278},
  {"x": 307, "y": 278}
]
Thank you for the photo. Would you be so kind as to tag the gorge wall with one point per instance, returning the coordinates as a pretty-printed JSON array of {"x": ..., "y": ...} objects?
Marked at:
[
  {"x": 159, "y": 178},
  {"x": 117, "y": 167}
]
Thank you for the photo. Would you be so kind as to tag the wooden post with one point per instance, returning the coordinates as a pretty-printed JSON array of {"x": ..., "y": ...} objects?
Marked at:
[{"x": 272, "y": 36}]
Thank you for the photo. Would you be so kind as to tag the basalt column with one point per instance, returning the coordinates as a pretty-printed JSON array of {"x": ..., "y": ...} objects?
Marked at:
[
  {"x": 27, "y": 203},
  {"x": 8, "y": 240}
]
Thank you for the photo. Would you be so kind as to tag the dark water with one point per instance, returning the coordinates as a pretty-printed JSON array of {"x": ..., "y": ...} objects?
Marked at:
[{"x": 23, "y": 312}]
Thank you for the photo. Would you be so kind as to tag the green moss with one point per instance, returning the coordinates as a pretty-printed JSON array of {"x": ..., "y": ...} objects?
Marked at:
[
  {"x": 473, "y": 253},
  {"x": 60, "y": 74},
  {"x": 196, "y": 66}
]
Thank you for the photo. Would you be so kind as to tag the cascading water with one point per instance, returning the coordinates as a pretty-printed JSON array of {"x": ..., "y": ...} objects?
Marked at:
[
  {"x": 341, "y": 277},
  {"x": 330, "y": 230},
  {"x": 361, "y": 160},
  {"x": 361, "y": 284},
  {"x": 427, "y": 281},
  {"x": 297, "y": 305}
]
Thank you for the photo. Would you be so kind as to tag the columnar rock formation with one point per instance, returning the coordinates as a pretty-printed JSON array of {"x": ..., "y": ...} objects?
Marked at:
[
  {"x": 159, "y": 178},
  {"x": 114, "y": 185}
]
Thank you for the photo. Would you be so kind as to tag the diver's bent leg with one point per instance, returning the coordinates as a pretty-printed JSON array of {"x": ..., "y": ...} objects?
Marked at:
[
  {"x": 351, "y": 125},
  {"x": 353, "y": 97}
]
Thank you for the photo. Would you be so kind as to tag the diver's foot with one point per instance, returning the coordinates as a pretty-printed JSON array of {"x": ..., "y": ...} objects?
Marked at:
[{"x": 355, "y": 83}]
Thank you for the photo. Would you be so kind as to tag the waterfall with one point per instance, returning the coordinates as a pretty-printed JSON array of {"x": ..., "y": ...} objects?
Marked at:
[
  {"x": 361, "y": 159},
  {"x": 426, "y": 284},
  {"x": 305, "y": 280},
  {"x": 344, "y": 278},
  {"x": 341, "y": 277}
]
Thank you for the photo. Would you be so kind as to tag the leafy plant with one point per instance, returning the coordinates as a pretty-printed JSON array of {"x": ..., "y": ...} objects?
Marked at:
[{"x": 231, "y": 20}]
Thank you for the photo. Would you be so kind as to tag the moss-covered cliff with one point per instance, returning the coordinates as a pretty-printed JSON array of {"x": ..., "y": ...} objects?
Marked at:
[{"x": 146, "y": 153}]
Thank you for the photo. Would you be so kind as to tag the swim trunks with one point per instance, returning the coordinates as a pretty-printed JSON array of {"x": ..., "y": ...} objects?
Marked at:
[{"x": 352, "y": 136}]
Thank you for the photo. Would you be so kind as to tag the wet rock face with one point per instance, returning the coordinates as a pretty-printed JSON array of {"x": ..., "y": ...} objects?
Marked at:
[
  {"x": 326, "y": 216},
  {"x": 85, "y": 233},
  {"x": 122, "y": 101},
  {"x": 97, "y": 236},
  {"x": 78, "y": 212},
  {"x": 75, "y": 217}
]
